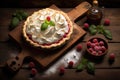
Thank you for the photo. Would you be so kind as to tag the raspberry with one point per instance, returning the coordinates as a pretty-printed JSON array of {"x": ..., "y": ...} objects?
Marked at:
[
  {"x": 33, "y": 71},
  {"x": 48, "y": 18},
  {"x": 95, "y": 40},
  {"x": 93, "y": 45},
  {"x": 101, "y": 43},
  {"x": 103, "y": 48},
  {"x": 107, "y": 22},
  {"x": 86, "y": 25},
  {"x": 79, "y": 47},
  {"x": 96, "y": 48},
  {"x": 112, "y": 56},
  {"x": 100, "y": 48},
  {"x": 99, "y": 52},
  {"x": 88, "y": 43},
  {"x": 71, "y": 64},
  {"x": 31, "y": 65},
  {"x": 96, "y": 44},
  {"x": 90, "y": 49},
  {"x": 94, "y": 52},
  {"x": 62, "y": 70}
]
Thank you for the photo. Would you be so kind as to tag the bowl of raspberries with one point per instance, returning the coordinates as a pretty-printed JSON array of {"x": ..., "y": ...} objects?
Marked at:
[{"x": 97, "y": 46}]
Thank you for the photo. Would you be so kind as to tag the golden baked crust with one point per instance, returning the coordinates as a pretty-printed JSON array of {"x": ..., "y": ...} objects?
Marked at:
[{"x": 53, "y": 45}]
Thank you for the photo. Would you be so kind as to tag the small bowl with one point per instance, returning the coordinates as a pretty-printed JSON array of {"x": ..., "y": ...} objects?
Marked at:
[{"x": 97, "y": 46}]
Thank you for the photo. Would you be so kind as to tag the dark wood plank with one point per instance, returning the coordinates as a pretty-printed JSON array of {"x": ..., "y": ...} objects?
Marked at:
[{"x": 70, "y": 74}]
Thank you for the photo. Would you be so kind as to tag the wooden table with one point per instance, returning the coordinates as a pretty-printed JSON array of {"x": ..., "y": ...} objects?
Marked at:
[{"x": 104, "y": 71}]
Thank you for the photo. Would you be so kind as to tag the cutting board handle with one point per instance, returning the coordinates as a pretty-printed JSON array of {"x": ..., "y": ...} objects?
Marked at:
[
  {"x": 14, "y": 64},
  {"x": 79, "y": 10}
]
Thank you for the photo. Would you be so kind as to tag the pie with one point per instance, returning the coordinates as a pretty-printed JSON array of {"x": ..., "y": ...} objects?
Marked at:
[{"x": 47, "y": 28}]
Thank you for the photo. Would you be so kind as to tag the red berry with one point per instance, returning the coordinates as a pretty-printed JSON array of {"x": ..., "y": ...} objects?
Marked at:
[
  {"x": 96, "y": 48},
  {"x": 31, "y": 65},
  {"x": 88, "y": 43},
  {"x": 90, "y": 49},
  {"x": 94, "y": 52},
  {"x": 100, "y": 52},
  {"x": 79, "y": 47},
  {"x": 112, "y": 56},
  {"x": 62, "y": 70},
  {"x": 96, "y": 44},
  {"x": 71, "y": 64},
  {"x": 107, "y": 22},
  {"x": 34, "y": 71},
  {"x": 101, "y": 43},
  {"x": 103, "y": 48},
  {"x": 48, "y": 18},
  {"x": 95, "y": 40},
  {"x": 100, "y": 48},
  {"x": 93, "y": 45},
  {"x": 86, "y": 25}
]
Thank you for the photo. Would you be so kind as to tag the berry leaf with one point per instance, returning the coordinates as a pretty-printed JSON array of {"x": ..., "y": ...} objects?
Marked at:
[
  {"x": 93, "y": 29},
  {"x": 80, "y": 67},
  {"x": 24, "y": 15},
  {"x": 84, "y": 61},
  {"x": 44, "y": 26},
  {"x": 14, "y": 22},
  {"x": 107, "y": 34},
  {"x": 100, "y": 29},
  {"x": 90, "y": 67},
  {"x": 20, "y": 14}
]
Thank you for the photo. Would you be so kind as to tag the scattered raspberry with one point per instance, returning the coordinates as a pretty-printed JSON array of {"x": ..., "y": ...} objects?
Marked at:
[
  {"x": 33, "y": 71},
  {"x": 70, "y": 64},
  {"x": 31, "y": 65},
  {"x": 107, "y": 22},
  {"x": 48, "y": 18},
  {"x": 79, "y": 47},
  {"x": 112, "y": 56},
  {"x": 62, "y": 70},
  {"x": 86, "y": 25}
]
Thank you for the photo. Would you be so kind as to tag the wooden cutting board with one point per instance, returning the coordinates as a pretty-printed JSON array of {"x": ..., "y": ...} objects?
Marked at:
[{"x": 45, "y": 58}]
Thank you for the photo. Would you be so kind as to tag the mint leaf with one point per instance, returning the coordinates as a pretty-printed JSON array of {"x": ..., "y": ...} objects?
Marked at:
[
  {"x": 90, "y": 67},
  {"x": 44, "y": 26},
  {"x": 82, "y": 64},
  {"x": 20, "y": 14},
  {"x": 80, "y": 67},
  {"x": 24, "y": 15},
  {"x": 100, "y": 29},
  {"x": 93, "y": 29},
  {"x": 84, "y": 61},
  {"x": 52, "y": 23},
  {"x": 107, "y": 34},
  {"x": 14, "y": 22}
]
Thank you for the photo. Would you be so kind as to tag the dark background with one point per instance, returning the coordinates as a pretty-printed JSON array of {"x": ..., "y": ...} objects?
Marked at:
[{"x": 59, "y": 3}]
